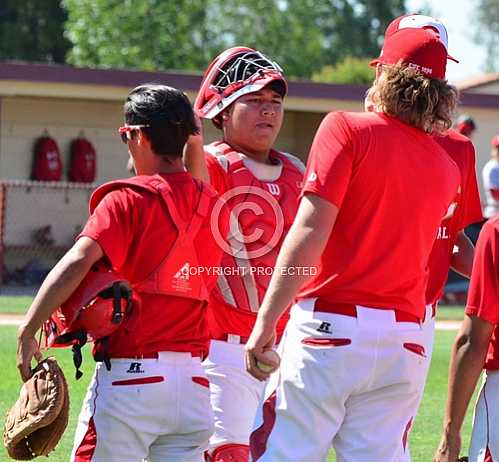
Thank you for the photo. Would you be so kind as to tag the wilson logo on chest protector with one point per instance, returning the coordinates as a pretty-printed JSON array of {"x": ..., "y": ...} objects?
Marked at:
[{"x": 274, "y": 189}]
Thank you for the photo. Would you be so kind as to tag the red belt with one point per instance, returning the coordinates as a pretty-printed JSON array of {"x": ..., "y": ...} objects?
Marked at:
[
  {"x": 347, "y": 309},
  {"x": 155, "y": 355},
  {"x": 242, "y": 340}
]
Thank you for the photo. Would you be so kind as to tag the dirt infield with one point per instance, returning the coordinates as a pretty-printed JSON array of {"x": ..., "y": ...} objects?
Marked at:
[
  {"x": 10, "y": 319},
  {"x": 448, "y": 325}
]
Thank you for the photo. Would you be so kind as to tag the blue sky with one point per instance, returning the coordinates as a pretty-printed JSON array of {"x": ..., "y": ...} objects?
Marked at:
[{"x": 458, "y": 17}]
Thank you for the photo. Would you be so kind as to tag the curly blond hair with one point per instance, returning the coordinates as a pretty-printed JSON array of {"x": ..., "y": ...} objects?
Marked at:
[{"x": 404, "y": 93}]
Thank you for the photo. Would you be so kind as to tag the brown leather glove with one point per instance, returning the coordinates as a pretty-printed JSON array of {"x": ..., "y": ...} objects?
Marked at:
[{"x": 37, "y": 421}]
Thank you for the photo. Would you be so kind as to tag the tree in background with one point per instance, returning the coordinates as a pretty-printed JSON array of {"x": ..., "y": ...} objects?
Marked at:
[
  {"x": 302, "y": 35},
  {"x": 488, "y": 31},
  {"x": 351, "y": 70},
  {"x": 355, "y": 28},
  {"x": 284, "y": 30},
  {"x": 144, "y": 34},
  {"x": 32, "y": 30}
]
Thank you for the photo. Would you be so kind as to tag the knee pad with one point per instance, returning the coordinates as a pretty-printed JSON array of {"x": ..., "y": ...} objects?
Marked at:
[{"x": 230, "y": 453}]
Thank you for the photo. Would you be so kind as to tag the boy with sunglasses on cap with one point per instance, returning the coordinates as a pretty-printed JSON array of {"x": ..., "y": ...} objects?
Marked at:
[
  {"x": 376, "y": 188},
  {"x": 242, "y": 93},
  {"x": 150, "y": 398}
]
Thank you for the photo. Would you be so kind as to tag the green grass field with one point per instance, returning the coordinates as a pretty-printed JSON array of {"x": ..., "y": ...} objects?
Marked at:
[
  {"x": 14, "y": 304},
  {"x": 20, "y": 304},
  {"x": 10, "y": 383},
  {"x": 424, "y": 438}
]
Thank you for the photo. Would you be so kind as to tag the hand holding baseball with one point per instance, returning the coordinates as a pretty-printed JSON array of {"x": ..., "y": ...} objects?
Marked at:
[
  {"x": 261, "y": 360},
  {"x": 270, "y": 363}
]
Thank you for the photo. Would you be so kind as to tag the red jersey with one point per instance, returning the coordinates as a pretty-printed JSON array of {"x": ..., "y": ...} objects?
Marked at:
[
  {"x": 135, "y": 232},
  {"x": 466, "y": 209},
  {"x": 392, "y": 185},
  {"x": 483, "y": 294},
  {"x": 263, "y": 209}
]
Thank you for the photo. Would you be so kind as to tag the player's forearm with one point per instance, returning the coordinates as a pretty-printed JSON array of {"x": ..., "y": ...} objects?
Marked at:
[
  {"x": 57, "y": 287},
  {"x": 194, "y": 158},
  {"x": 466, "y": 364},
  {"x": 462, "y": 261},
  {"x": 299, "y": 254}
]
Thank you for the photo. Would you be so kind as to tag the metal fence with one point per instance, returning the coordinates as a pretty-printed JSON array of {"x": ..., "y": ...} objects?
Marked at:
[{"x": 38, "y": 223}]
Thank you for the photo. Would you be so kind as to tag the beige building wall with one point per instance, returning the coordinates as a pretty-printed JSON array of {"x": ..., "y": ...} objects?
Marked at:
[
  {"x": 24, "y": 119},
  {"x": 489, "y": 89},
  {"x": 487, "y": 121}
]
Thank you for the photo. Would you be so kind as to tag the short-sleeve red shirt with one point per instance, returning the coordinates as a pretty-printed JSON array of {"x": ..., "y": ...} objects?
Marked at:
[
  {"x": 483, "y": 294},
  {"x": 392, "y": 185},
  {"x": 465, "y": 210},
  {"x": 135, "y": 234}
]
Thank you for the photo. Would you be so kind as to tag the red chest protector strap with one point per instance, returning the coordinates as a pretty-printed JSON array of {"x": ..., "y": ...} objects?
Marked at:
[
  {"x": 173, "y": 275},
  {"x": 240, "y": 175}
]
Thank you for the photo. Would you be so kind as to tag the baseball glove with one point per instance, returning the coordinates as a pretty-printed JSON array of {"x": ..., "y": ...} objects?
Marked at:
[{"x": 37, "y": 421}]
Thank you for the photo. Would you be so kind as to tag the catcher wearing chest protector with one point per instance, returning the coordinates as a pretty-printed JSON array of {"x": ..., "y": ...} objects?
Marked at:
[{"x": 141, "y": 235}]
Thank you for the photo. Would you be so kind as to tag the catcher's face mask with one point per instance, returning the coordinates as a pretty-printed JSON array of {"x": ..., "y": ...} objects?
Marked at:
[{"x": 234, "y": 73}]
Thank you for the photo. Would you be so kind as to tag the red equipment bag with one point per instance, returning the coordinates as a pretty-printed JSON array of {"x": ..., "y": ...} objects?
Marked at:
[
  {"x": 83, "y": 164},
  {"x": 47, "y": 163}
]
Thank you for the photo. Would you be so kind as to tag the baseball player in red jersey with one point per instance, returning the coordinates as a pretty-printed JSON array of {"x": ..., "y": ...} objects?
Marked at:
[
  {"x": 153, "y": 401},
  {"x": 242, "y": 93},
  {"x": 376, "y": 189},
  {"x": 475, "y": 348},
  {"x": 452, "y": 248}
]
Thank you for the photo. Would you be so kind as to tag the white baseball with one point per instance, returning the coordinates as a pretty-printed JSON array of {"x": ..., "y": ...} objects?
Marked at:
[{"x": 272, "y": 356}]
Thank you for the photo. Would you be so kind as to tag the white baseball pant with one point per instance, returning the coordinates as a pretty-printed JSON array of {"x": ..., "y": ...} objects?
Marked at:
[
  {"x": 350, "y": 382},
  {"x": 484, "y": 446},
  {"x": 235, "y": 394},
  {"x": 429, "y": 330},
  {"x": 154, "y": 409}
]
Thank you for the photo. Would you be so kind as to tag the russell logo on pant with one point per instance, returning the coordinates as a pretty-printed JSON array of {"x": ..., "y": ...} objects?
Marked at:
[{"x": 135, "y": 369}]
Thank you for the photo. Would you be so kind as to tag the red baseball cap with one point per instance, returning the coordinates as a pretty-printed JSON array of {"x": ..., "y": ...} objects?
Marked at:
[
  {"x": 419, "y": 48},
  {"x": 420, "y": 21},
  {"x": 495, "y": 141}
]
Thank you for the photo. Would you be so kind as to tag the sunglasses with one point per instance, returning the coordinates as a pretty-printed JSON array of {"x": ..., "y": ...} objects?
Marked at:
[{"x": 125, "y": 130}]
